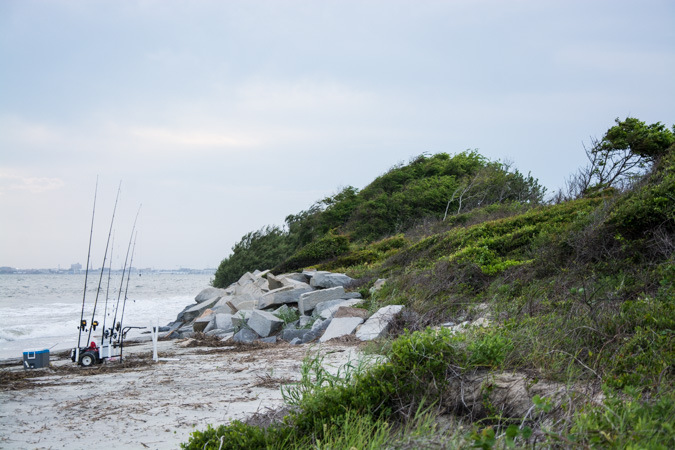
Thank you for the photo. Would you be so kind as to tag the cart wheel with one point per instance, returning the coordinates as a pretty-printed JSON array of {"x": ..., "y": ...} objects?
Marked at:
[{"x": 88, "y": 359}]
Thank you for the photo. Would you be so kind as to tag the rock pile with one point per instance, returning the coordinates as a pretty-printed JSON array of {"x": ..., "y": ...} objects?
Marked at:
[{"x": 295, "y": 307}]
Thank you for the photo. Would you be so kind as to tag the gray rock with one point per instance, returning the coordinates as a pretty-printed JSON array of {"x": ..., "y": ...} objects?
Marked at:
[
  {"x": 311, "y": 336},
  {"x": 246, "y": 278},
  {"x": 309, "y": 273},
  {"x": 378, "y": 285},
  {"x": 224, "y": 322},
  {"x": 341, "y": 327},
  {"x": 309, "y": 300},
  {"x": 245, "y": 336},
  {"x": 249, "y": 288},
  {"x": 288, "y": 335},
  {"x": 209, "y": 293},
  {"x": 321, "y": 325},
  {"x": 378, "y": 324},
  {"x": 195, "y": 311},
  {"x": 296, "y": 341},
  {"x": 243, "y": 301},
  {"x": 296, "y": 276},
  {"x": 327, "y": 310},
  {"x": 269, "y": 340},
  {"x": 283, "y": 295},
  {"x": 262, "y": 284},
  {"x": 329, "y": 280},
  {"x": 264, "y": 323}
]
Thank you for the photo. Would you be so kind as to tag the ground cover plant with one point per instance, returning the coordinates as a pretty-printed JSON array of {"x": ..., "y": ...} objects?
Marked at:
[{"x": 579, "y": 294}]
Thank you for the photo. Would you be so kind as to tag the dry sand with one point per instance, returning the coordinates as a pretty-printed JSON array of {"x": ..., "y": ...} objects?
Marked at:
[{"x": 143, "y": 404}]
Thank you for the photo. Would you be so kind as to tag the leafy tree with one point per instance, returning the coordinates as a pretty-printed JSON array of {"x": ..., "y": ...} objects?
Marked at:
[
  {"x": 647, "y": 141},
  {"x": 260, "y": 249},
  {"x": 626, "y": 152}
]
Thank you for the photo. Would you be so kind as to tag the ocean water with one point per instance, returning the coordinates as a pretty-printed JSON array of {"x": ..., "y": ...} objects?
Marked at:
[{"x": 43, "y": 310}]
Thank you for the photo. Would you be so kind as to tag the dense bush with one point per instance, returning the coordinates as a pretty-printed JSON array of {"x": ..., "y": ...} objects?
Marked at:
[
  {"x": 260, "y": 249},
  {"x": 328, "y": 246}
]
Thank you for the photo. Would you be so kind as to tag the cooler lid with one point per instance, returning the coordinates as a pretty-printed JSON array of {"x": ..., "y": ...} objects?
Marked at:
[{"x": 36, "y": 350}]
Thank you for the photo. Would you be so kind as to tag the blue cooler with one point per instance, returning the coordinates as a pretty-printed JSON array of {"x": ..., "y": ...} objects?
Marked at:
[{"x": 35, "y": 359}]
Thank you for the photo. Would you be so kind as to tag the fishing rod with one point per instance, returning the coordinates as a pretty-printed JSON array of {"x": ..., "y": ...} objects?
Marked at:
[
  {"x": 107, "y": 289},
  {"x": 126, "y": 290},
  {"x": 105, "y": 256},
  {"x": 115, "y": 327},
  {"x": 86, "y": 274}
]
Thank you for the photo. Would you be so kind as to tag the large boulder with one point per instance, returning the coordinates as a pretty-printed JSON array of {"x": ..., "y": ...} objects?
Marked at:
[
  {"x": 321, "y": 325},
  {"x": 288, "y": 335},
  {"x": 326, "y": 310},
  {"x": 245, "y": 336},
  {"x": 209, "y": 293},
  {"x": 246, "y": 278},
  {"x": 309, "y": 300},
  {"x": 243, "y": 301},
  {"x": 286, "y": 294},
  {"x": 340, "y": 327},
  {"x": 323, "y": 280},
  {"x": 264, "y": 323},
  {"x": 378, "y": 324},
  {"x": 224, "y": 322},
  {"x": 295, "y": 276},
  {"x": 263, "y": 284},
  {"x": 249, "y": 288},
  {"x": 191, "y": 313}
]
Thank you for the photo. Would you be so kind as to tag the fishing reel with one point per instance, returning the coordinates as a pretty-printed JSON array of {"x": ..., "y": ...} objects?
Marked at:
[{"x": 83, "y": 325}]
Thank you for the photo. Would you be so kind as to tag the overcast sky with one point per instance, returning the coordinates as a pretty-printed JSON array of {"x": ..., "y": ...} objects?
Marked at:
[{"x": 221, "y": 117}]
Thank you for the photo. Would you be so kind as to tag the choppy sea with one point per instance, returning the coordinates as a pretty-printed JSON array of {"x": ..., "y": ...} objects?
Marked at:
[{"x": 43, "y": 310}]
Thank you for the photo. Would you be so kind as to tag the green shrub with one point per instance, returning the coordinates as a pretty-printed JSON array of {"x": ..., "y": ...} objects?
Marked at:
[
  {"x": 627, "y": 423},
  {"x": 417, "y": 367},
  {"x": 489, "y": 348},
  {"x": 238, "y": 436},
  {"x": 329, "y": 246}
]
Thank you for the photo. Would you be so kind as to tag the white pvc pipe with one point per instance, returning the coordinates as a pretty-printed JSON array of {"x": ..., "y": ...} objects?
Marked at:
[{"x": 155, "y": 332}]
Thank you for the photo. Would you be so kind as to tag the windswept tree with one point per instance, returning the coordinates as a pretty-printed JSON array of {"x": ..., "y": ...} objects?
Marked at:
[{"x": 626, "y": 152}]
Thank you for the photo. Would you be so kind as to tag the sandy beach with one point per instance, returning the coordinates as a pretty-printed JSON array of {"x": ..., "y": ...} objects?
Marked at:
[{"x": 145, "y": 404}]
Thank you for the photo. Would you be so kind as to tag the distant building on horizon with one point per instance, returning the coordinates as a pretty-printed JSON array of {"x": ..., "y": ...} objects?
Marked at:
[{"x": 75, "y": 267}]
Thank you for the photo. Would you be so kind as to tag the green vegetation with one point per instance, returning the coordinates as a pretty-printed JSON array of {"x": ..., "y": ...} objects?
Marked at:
[
  {"x": 428, "y": 188},
  {"x": 580, "y": 292}
]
